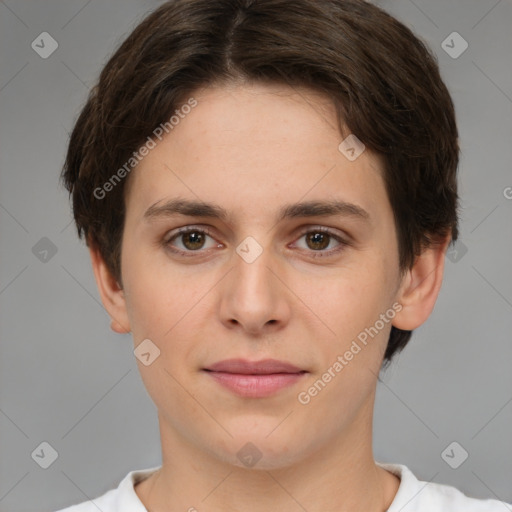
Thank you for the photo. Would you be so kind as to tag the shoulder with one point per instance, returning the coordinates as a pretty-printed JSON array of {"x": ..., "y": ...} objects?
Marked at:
[
  {"x": 418, "y": 496},
  {"x": 105, "y": 503},
  {"x": 450, "y": 498},
  {"x": 120, "y": 499}
]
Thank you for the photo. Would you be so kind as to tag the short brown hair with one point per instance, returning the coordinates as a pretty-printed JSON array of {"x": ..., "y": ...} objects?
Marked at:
[{"x": 383, "y": 81}]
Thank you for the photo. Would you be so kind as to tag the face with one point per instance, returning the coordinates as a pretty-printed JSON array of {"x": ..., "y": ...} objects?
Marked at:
[{"x": 263, "y": 273}]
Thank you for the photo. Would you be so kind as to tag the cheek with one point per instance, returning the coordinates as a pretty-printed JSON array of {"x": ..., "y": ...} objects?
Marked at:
[
  {"x": 349, "y": 306},
  {"x": 155, "y": 298},
  {"x": 349, "y": 299},
  {"x": 160, "y": 308},
  {"x": 350, "y": 360}
]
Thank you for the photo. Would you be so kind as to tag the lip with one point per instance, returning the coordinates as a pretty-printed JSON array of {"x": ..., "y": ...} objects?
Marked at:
[
  {"x": 255, "y": 379},
  {"x": 244, "y": 367}
]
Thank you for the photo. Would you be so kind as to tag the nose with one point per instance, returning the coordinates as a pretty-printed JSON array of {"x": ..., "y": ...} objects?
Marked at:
[{"x": 254, "y": 298}]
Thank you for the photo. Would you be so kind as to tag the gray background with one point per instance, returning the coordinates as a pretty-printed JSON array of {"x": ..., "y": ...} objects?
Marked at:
[{"x": 68, "y": 380}]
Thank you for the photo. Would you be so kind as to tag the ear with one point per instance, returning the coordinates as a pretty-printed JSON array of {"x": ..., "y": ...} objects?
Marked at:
[
  {"x": 111, "y": 293},
  {"x": 420, "y": 287}
]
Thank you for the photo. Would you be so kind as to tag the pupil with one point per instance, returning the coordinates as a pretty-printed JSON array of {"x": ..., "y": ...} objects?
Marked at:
[
  {"x": 317, "y": 238},
  {"x": 193, "y": 240}
]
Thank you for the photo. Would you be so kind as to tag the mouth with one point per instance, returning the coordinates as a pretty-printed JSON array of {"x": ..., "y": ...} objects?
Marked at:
[{"x": 255, "y": 379}]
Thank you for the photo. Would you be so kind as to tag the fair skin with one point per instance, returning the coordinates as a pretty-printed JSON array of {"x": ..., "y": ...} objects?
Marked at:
[{"x": 252, "y": 149}]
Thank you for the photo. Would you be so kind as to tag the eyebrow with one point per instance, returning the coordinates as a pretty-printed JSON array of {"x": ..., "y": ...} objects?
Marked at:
[{"x": 192, "y": 208}]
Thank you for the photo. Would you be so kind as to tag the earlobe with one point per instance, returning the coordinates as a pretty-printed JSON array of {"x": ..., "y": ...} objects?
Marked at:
[
  {"x": 111, "y": 293},
  {"x": 117, "y": 327},
  {"x": 420, "y": 287}
]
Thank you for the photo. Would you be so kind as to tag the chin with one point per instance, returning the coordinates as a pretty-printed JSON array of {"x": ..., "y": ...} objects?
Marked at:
[{"x": 257, "y": 450}]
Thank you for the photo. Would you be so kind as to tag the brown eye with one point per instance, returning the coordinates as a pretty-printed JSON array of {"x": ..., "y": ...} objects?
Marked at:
[
  {"x": 193, "y": 240},
  {"x": 321, "y": 242},
  {"x": 190, "y": 240},
  {"x": 318, "y": 241}
]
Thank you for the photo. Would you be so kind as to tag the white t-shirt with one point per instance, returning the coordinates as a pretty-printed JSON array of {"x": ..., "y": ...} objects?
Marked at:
[{"x": 413, "y": 496}]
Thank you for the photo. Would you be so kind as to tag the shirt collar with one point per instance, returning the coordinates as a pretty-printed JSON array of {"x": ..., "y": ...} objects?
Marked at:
[{"x": 409, "y": 488}]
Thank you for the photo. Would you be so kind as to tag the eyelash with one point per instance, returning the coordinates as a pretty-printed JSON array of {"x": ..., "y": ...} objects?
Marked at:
[{"x": 314, "y": 254}]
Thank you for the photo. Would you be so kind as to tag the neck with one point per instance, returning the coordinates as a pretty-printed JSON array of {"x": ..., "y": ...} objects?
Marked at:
[{"x": 340, "y": 475}]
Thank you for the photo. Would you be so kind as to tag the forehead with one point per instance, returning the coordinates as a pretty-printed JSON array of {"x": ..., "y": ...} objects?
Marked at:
[
  {"x": 254, "y": 145},
  {"x": 277, "y": 116}
]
